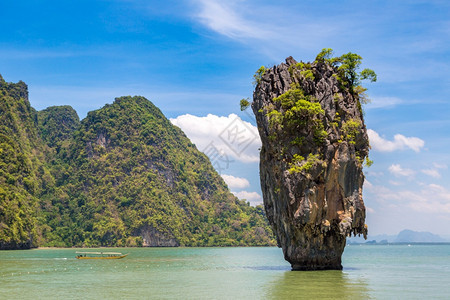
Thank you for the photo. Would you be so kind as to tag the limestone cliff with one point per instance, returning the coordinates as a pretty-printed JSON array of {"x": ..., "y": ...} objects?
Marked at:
[
  {"x": 22, "y": 173},
  {"x": 123, "y": 176},
  {"x": 314, "y": 143}
]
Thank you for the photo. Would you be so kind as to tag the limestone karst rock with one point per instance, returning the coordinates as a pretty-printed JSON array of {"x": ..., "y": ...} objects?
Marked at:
[{"x": 314, "y": 143}]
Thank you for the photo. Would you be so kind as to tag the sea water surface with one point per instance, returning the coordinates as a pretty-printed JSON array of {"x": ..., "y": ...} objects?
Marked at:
[{"x": 370, "y": 272}]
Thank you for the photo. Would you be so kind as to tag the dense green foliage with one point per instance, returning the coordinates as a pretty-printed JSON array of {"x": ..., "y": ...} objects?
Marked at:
[
  {"x": 350, "y": 128},
  {"x": 299, "y": 164},
  {"x": 57, "y": 124},
  {"x": 347, "y": 66},
  {"x": 296, "y": 112},
  {"x": 297, "y": 116},
  {"x": 123, "y": 171},
  {"x": 244, "y": 103},
  {"x": 258, "y": 74},
  {"x": 131, "y": 168},
  {"x": 21, "y": 172}
]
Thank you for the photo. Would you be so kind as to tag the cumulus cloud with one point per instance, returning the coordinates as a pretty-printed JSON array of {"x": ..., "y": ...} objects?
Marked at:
[
  {"x": 397, "y": 170},
  {"x": 235, "y": 182},
  {"x": 253, "y": 197},
  {"x": 223, "y": 139},
  {"x": 400, "y": 142}
]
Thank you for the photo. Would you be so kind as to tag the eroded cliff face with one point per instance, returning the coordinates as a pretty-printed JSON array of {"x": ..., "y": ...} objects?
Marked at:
[
  {"x": 153, "y": 238},
  {"x": 314, "y": 143}
]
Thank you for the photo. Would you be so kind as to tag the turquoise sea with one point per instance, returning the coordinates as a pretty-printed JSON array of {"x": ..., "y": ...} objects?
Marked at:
[{"x": 370, "y": 272}]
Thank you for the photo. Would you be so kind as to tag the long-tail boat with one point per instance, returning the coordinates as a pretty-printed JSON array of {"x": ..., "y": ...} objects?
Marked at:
[{"x": 99, "y": 255}]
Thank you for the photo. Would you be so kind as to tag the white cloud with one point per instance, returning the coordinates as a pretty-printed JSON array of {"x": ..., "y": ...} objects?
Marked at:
[
  {"x": 439, "y": 166},
  {"x": 251, "y": 23},
  {"x": 419, "y": 207},
  {"x": 235, "y": 182},
  {"x": 223, "y": 139},
  {"x": 432, "y": 172},
  {"x": 224, "y": 18},
  {"x": 396, "y": 183},
  {"x": 374, "y": 174},
  {"x": 368, "y": 184},
  {"x": 400, "y": 142},
  {"x": 382, "y": 102},
  {"x": 253, "y": 197},
  {"x": 431, "y": 198},
  {"x": 397, "y": 170},
  {"x": 437, "y": 187}
]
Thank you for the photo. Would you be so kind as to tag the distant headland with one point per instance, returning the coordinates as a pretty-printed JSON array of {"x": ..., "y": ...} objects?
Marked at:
[{"x": 404, "y": 236}]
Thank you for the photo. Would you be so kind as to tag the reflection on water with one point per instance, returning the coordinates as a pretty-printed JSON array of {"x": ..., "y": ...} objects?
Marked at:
[{"x": 317, "y": 285}]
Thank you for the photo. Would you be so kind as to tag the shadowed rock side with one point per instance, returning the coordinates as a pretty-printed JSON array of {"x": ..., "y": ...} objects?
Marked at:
[{"x": 314, "y": 142}]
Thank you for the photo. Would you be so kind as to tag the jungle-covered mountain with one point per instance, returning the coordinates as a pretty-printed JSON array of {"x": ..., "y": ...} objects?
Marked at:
[
  {"x": 123, "y": 176},
  {"x": 23, "y": 173}
]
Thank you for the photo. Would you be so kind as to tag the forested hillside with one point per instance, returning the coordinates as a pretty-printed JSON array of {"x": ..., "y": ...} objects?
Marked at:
[
  {"x": 23, "y": 175},
  {"x": 123, "y": 176}
]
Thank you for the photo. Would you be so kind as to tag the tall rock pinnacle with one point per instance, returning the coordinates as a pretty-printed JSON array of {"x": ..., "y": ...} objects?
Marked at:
[{"x": 314, "y": 144}]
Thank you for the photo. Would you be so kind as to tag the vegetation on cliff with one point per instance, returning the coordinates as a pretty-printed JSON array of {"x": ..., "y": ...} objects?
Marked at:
[
  {"x": 123, "y": 176},
  {"x": 129, "y": 169},
  {"x": 23, "y": 175},
  {"x": 314, "y": 143},
  {"x": 57, "y": 124},
  {"x": 299, "y": 112}
]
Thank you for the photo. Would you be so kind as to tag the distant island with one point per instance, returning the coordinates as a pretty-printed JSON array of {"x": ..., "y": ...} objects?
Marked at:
[
  {"x": 405, "y": 236},
  {"x": 123, "y": 176}
]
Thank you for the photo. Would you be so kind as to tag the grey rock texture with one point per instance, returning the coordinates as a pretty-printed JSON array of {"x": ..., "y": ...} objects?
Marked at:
[
  {"x": 311, "y": 180},
  {"x": 153, "y": 238}
]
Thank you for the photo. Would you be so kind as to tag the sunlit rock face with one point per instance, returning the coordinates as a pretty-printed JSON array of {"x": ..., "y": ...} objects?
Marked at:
[{"x": 314, "y": 143}]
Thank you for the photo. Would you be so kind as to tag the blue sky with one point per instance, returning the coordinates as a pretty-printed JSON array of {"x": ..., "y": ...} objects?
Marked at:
[{"x": 195, "y": 60}]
